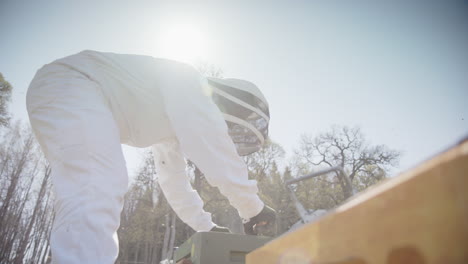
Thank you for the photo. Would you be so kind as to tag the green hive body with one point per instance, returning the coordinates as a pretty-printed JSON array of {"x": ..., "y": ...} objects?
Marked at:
[{"x": 218, "y": 248}]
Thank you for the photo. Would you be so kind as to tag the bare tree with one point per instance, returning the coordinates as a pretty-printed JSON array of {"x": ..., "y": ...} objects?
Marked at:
[
  {"x": 16, "y": 165},
  {"x": 209, "y": 70},
  {"x": 5, "y": 96},
  {"x": 347, "y": 147},
  {"x": 261, "y": 162},
  {"x": 21, "y": 251},
  {"x": 147, "y": 230},
  {"x": 25, "y": 207}
]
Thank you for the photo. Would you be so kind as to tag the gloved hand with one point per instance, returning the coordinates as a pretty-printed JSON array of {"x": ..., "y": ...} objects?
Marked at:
[{"x": 264, "y": 220}]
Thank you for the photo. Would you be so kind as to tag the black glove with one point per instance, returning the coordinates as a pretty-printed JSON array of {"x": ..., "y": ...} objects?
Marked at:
[{"x": 266, "y": 218}]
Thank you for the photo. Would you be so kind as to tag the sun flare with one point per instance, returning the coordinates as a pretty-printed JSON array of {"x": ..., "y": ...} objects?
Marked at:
[{"x": 184, "y": 43}]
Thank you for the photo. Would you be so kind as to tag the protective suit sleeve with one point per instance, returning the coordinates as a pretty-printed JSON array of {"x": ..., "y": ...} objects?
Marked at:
[
  {"x": 204, "y": 139},
  {"x": 175, "y": 184}
]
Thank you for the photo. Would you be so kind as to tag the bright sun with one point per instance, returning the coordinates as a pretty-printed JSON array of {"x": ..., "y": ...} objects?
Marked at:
[{"x": 183, "y": 42}]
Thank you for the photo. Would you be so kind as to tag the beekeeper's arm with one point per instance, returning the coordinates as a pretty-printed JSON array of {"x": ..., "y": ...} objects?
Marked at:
[
  {"x": 204, "y": 139},
  {"x": 175, "y": 184}
]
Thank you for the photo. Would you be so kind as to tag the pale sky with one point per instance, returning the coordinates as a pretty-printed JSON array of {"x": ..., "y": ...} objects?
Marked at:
[{"x": 399, "y": 71}]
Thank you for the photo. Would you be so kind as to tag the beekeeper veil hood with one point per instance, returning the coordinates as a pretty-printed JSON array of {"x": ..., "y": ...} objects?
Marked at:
[{"x": 245, "y": 110}]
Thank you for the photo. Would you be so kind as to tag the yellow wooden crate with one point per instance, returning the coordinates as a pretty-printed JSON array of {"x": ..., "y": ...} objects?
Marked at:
[{"x": 420, "y": 216}]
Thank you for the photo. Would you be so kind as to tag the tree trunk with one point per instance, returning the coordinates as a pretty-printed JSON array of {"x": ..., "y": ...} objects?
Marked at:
[
  {"x": 156, "y": 244},
  {"x": 197, "y": 181},
  {"x": 15, "y": 176},
  {"x": 172, "y": 240},
  {"x": 137, "y": 250},
  {"x": 24, "y": 242},
  {"x": 166, "y": 238}
]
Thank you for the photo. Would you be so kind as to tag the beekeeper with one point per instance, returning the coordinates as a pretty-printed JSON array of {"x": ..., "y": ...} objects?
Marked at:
[{"x": 82, "y": 108}]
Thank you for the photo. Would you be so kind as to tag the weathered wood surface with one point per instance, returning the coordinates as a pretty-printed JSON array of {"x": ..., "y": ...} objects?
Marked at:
[{"x": 420, "y": 216}]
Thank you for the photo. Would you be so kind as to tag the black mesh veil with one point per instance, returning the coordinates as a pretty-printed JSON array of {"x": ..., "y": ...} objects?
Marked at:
[{"x": 246, "y": 115}]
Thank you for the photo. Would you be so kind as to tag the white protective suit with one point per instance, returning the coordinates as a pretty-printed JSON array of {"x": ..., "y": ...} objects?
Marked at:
[{"x": 82, "y": 107}]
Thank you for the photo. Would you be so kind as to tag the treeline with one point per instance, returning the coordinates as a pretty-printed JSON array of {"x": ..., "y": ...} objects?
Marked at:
[
  {"x": 26, "y": 202},
  {"x": 26, "y": 213},
  {"x": 149, "y": 228}
]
